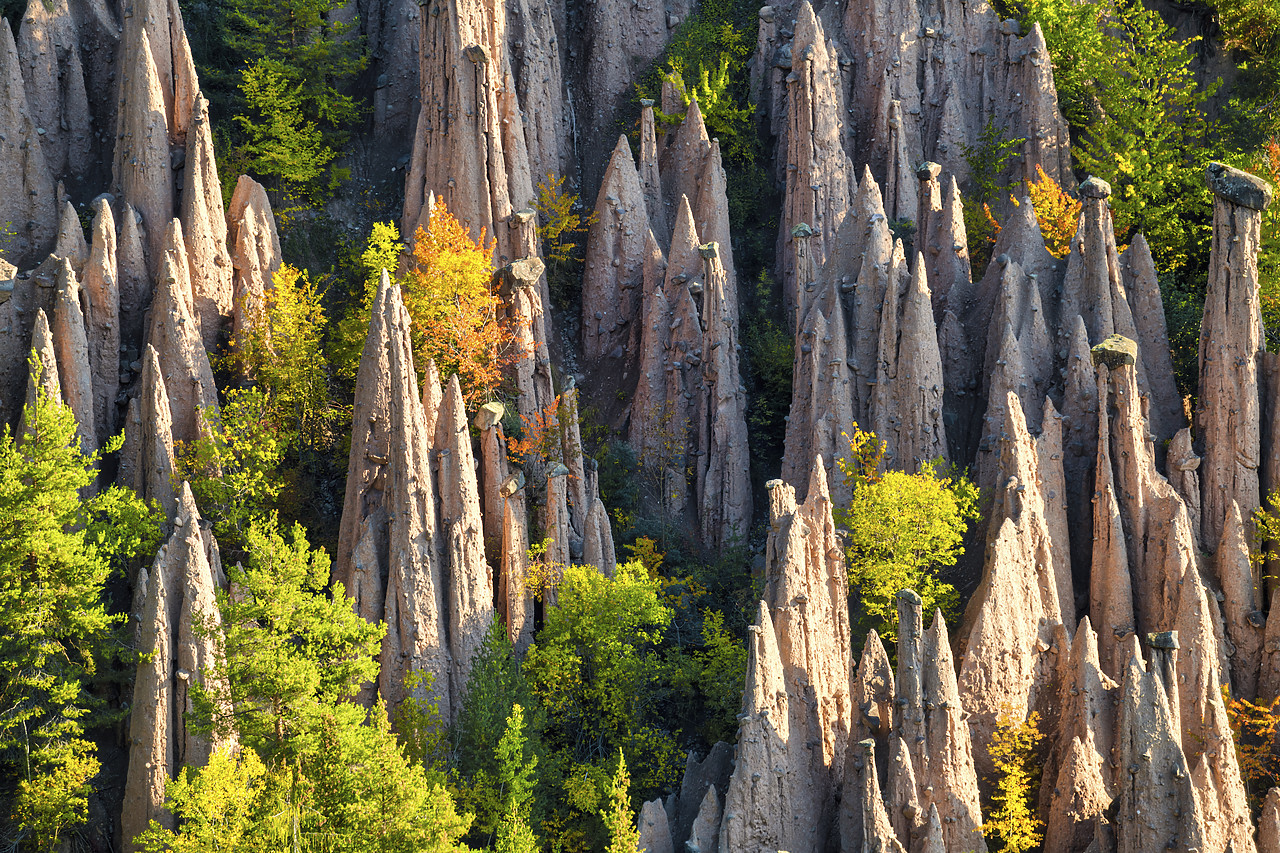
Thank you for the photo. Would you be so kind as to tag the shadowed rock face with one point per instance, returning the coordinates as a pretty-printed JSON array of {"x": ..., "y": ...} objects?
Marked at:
[
  {"x": 1143, "y": 289},
  {"x": 71, "y": 342},
  {"x": 46, "y": 380},
  {"x": 49, "y": 49},
  {"x": 27, "y": 197},
  {"x": 819, "y": 175},
  {"x": 175, "y": 335},
  {"x": 146, "y": 460},
  {"x": 1078, "y": 774},
  {"x": 204, "y": 226},
  {"x": 142, "y": 171},
  {"x": 151, "y": 738},
  {"x": 468, "y": 579},
  {"x": 255, "y": 252},
  {"x": 1158, "y": 805},
  {"x": 171, "y": 600},
  {"x": 102, "y": 297},
  {"x": 611, "y": 284},
  {"x": 1008, "y": 639},
  {"x": 723, "y": 462},
  {"x": 655, "y": 835},
  {"x": 1269, "y": 823}
]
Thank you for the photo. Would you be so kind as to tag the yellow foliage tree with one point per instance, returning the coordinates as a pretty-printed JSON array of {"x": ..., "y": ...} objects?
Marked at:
[
  {"x": 1256, "y": 729},
  {"x": 1057, "y": 213},
  {"x": 449, "y": 293},
  {"x": 1013, "y": 750},
  {"x": 280, "y": 352}
]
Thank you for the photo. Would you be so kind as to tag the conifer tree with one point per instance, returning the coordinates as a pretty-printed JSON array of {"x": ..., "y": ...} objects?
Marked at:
[
  {"x": 326, "y": 773},
  {"x": 57, "y": 551},
  {"x": 515, "y": 777},
  {"x": 619, "y": 819}
]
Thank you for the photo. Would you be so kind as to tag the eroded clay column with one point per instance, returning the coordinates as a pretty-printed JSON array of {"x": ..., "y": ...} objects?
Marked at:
[{"x": 1228, "y": 414}]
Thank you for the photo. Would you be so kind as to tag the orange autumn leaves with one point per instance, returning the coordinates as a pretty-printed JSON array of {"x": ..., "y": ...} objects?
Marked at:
[
  {"x": 455, "y": 313},
  {"x": 1056, "y": 211}
]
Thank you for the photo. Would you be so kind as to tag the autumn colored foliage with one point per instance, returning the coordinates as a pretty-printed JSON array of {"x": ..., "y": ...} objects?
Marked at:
[
  {"x": 449, "y": 292},
  {"x": 1013, "y": 748},
  {"x": 540, "y": 436},
  {"x": 1057, "y": 213},
  {"x": 1256, "y": 727}
]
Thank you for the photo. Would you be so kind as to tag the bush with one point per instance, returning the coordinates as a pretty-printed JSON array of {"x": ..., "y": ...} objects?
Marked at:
[
  {"x": 596, "y": 671},
  {"x": 382, "y": 252},
  {"x": 280, "y": 352},
  {"x": 560, "y": 225},
  {"x": 233, "y": 471},
  {"x": 902, "y": 529}
]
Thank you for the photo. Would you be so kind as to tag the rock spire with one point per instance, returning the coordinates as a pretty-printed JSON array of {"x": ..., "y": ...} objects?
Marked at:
[{"x": 1228, "y": 418}]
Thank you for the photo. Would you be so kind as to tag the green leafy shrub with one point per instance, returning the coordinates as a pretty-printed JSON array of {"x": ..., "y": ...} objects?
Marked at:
[
  {"x": 382, "y": 252},
  {"x": 560, "y": 226},
  {"x": 706, "y": 59},
  {"x": 707, "y": 682},
  {"x": 281, "y": 144},
  {"x": 495, "y": 688},
  {"x": 618, "y": 815},
  {"x": 902, "y": 529},
  {"x": 280, "y": 352},
  {"x": 516, "y": 781},
  {"x": 233, "y": 470},
  {"x": 596, "y": 671}
]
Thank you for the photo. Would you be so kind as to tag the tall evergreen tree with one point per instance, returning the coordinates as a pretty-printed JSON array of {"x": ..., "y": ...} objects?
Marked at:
[
  {"x": 515, "y": 779},
  {"x": 57, "y": 550},
  {"x": 325, "y": 772}
]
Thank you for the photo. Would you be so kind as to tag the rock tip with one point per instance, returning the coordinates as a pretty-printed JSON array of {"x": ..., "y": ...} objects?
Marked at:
[
  {"x": 1238, "y": 187},
  {"x": 1115, "y": 351}
]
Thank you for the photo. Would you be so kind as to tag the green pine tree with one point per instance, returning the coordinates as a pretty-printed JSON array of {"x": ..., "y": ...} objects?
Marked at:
[
  {"x": 57, "y": 551},
  {"x": 515, "y": 777},
  {"x": 619, "y": 819},
  {"x": 283, "y": 143},
  {"x": 333, "y": 775},
  {"x": 294, "y": 654}
]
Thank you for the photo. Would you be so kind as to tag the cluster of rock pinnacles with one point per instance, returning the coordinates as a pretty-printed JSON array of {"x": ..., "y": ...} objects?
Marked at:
[{"x": 1052, "y": 378}]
